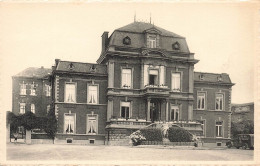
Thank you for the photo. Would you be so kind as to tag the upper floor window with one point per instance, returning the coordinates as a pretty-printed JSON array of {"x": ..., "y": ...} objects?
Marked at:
[
  {"x": 33, "y": 89},
  {"x": 176, "y": 82},
  {"x": 126, "y": 78},
  {"x": 32, "y": 108},
  {"x": 22, "y": 108},
  {"x": 93, "y": 94},
  {"x": 23, "y": 89},
  {"x": 48, "y": 90},
  {"x": 92, "y": 124},
  {"x": 125, "y": 110},
  {"x": 70, "y": 92},
  {"x": 219, "y": 129},
  {"x": 201, "y": 100},
  {"x": 175, "y": 113},
  {"x": 219, "y": 101},
  {"x": 69, "y": 123},
  {"x": 153, "y": 77},
  {"x": 48, "y": 108},
  {"x": 152, "y": 42}
]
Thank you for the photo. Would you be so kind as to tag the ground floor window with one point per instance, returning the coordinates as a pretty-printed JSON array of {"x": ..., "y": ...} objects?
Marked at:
[
  {"x": 125, "y": 110},
  {"x": 92, "y": 124},
  {"x": 203, "y": 126},
  {"x": 69, "y": 123},
  {"x": 175, "y": 113},
  {"x": 219, "y": 129}
]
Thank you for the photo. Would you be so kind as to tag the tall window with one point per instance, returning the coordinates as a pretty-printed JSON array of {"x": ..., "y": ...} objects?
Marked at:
[
  {"x": 219, "y": 129},
  {"x": 219, "y": 101},
  {"x": 201, "y": 100},
  {"x": 125, "y": 110},
  {"x": 176, "y": 82},
  {"x": 48, "y": 90},
  {"x": 175, "y": 113},
  {"x": 33, "y": 89},
  {"x": 93, "y": 94},
  {"x": 69, "y": 123},
  {"x": 32, "y": 108},
  {"x": 92, "y": 124},
  {"x": 153, "y": 77},
  {"x": 126, "y": 78},
  {"x": 70, "y": 92},
  {"x": 203, "y": 123},
  {"x": 152, "y": 42},
  {"x": 48, "y": 108},
  {"x": 23, "y": 89},
  {"x": 22, "y": 108}
]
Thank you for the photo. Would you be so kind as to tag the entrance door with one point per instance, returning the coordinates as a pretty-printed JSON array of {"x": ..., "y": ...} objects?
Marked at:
[{"x": 155, "y": 110}]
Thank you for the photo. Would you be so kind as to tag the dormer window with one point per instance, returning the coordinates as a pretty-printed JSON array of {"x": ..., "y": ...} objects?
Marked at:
[
  {"x": 152, "y": 42},
  {"x": 201, "y": 77},
  {"x": 71, "y": 66},
  {"x": 176, "y": 46},
  {"x": 219, "y": 78},
  {"x": 127, "y": 40}
]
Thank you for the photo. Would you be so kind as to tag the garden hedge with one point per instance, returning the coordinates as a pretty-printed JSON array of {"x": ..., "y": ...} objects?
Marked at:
[
  {"x": 176, "y": 134},
  {"x": 152, "y": 134}
]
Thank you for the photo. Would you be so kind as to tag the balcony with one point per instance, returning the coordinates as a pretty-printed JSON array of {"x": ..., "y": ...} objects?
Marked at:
[
  {"x": 127, "y": 123},
  {"x": 161, "y": 90}
]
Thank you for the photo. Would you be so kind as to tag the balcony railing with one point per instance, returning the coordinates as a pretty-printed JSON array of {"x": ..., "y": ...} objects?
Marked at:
[{"x": 127, "y": 123}]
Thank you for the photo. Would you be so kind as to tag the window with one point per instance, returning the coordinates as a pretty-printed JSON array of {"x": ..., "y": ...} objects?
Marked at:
[
  {"x": 203, "y": 124},
  {"x": 201, "y": 100},
  {"x": 92, "y": 124},
  {"x": 23, "y": 89},
  {"x": 175, "y": 113},
  {"x": 69, "y": 123},
  {"x": 33, "y": 108},
  {"x": 70, "y": 92},
  {"x": 219, "y": 101},
  {"x": 125, "y": 110},
  {"x": 93, "y": 94},
  {"x": 33, "y": 89},
  {"x": 22, "y": 108},
  {"x": 176, "y": 82},
  {"x": 219, "y": 129},
  {"x": 48, "y": 108},
  {"x": 48, "y": 90},
  {"x": 126, "y": 78},
  {"x": 153, "y": 77},
  {"x": 152, "y": 42}
]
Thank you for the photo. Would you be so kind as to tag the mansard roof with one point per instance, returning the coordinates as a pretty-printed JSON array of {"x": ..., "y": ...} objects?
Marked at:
[
  {"x": 222, "y": 78},
  {"x": 80, "y": 67},
  {"x": 33, "y": 72}
]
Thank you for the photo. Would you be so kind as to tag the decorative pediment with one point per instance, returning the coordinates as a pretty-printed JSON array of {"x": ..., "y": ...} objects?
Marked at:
[
  {"x": 153, "y": 52},
  {"x": 153, "y": 31}
]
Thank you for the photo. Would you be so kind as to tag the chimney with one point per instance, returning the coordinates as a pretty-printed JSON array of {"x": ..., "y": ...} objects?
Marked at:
[
  {"x": 56, "y": 62},
  {"x": 104, "y": 41}
]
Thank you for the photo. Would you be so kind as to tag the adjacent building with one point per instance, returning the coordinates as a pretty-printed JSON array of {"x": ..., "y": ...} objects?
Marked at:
[
  {"x": 242, "y": 112},
  {"x": 144, "y": 76}
]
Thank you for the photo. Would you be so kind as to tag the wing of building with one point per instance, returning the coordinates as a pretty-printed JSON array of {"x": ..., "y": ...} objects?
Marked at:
[{"x": 144, "y": 75}]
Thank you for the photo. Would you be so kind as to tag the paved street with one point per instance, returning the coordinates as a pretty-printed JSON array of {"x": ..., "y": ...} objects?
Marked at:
[{"x": 126, "y": 153}]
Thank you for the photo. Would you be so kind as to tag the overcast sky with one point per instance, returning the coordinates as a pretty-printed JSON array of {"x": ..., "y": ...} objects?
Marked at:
[{"x": 222, "y": 36}]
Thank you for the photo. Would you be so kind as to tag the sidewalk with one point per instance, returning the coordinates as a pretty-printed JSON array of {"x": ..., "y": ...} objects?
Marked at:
[{"x": 180, "y": 147}]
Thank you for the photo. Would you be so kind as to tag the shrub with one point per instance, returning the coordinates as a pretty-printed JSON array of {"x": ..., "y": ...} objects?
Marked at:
[
  {"x": 176, "y": 134},
  {"x": 137, "y": 137},
  {"x": 51, "y": 124},
  {"x": 152, "y": 134}
]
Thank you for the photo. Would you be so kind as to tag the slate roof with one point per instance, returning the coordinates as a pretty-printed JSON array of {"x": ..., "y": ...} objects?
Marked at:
[
  {"x": 140, "y": 27},
  {"x": 212, "y": 77},
  {"x": 32, "y": 72},
  {"x": 79, "y": 67}
]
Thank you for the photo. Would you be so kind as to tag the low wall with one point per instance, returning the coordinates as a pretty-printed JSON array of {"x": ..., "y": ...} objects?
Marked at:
[
  {"x": 167, "y": 143},
  {"x": 41, "y": 141}
]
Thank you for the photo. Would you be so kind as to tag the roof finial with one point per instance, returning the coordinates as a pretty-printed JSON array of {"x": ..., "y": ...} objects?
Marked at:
[
  {"x": 135, "y": 17},
  {"x": 150, "y": 19}
]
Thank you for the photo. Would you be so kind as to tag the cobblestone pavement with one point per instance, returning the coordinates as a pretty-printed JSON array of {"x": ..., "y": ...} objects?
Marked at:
[{"x": 124, "y": 153}]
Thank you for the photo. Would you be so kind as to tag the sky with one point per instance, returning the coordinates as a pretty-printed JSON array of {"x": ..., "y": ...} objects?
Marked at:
[{"x": 222, "y": 36}]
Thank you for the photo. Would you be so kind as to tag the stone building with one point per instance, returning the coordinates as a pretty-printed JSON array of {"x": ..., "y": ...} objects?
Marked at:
[{"x": 144, "y": 76}]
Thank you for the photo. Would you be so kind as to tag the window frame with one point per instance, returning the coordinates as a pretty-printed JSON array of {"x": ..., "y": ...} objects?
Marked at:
[
  {"x": 152, "y": 42},
  {"x": 223, "y": 103},
  {"x": 222, "y": 129},
  {"x": 24, "y": 108},
  {"x": 131, "y": 81},
  {"x": 24, "y": 89},
  {"x": 97, "y": 85},
  {"x": 48, "y": 108},
  {"x": 181, "y": 74},
  {"x": 33, "y": 89},
  {"x": 130, "y": 109},
  {"x": 87, "y": 125},
  {"x": 33, "y": 108},
  {"x": 171, "y": 108},
  {"x": 158, "y": 76},
  {"x": 47, "y": 90},
  {"x": 205, "y": 100},
  {"x": 64, "y": 125},
  {"x": 204, "y": 127},
  {"x": 65, "y": 93}
]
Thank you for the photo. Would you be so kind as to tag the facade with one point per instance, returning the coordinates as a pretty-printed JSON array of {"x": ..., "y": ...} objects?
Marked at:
[
  {"x": 242, "y": 112},
  {"x": 144, "y": 76}
]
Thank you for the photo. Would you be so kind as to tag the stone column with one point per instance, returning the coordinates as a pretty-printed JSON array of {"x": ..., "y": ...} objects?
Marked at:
[
  {"x": 191, "y": 78},
  {"x": 148, "y": 118},
  {"x": 190, "y": 111},
  {"x": 142, "y": 77},
  {"x": 111, "y": 73},
  {"x": 167, "y": 110},
  {"x": 28, "y": 137},
  {"x": 109, "y": 109}
]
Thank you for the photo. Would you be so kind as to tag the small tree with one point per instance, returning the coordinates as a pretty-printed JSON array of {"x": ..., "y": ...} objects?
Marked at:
[
  {"x": 51, "y": 124},
  {"x": 28, "y": 120}
]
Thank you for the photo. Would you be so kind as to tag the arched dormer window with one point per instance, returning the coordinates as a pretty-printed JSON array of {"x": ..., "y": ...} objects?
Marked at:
[
  {"x": 176, "y": 46},
  {"x": 127, "y": 40}
]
